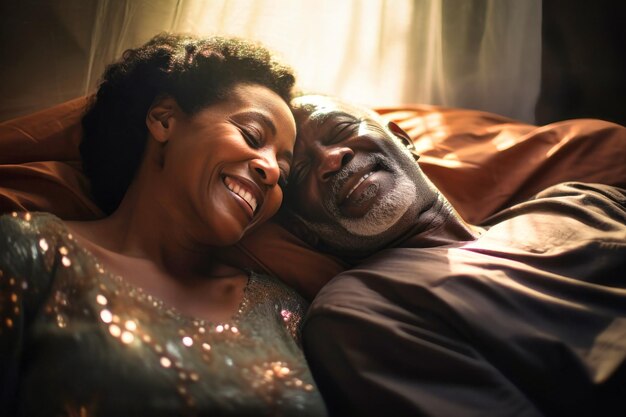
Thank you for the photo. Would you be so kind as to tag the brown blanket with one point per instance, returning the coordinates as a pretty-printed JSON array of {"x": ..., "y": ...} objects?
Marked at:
[{"x": 481, "y": 161}]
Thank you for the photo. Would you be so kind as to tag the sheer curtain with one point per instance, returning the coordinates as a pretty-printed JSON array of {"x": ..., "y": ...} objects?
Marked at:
[{"x": 482, "y": 54}]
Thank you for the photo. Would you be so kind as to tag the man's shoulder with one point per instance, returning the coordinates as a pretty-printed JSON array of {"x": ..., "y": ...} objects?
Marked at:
[
  {"x": 574, "y": 188},
  {"x": 380, "y": 279},
  {"x": 573, "y": 200}
]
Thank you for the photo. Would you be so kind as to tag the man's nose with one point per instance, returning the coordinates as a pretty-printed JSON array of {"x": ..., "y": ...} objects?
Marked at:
[{"x": 332, "y": 159}]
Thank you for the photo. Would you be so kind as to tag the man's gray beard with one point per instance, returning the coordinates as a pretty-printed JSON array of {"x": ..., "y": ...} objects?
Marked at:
[{"x": 366, "y": 232}]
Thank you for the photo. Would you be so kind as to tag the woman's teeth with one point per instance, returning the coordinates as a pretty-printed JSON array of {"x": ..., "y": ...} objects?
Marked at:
[
  {"x": 363, "y": 178},
  {"x": 235, "y": 188}
]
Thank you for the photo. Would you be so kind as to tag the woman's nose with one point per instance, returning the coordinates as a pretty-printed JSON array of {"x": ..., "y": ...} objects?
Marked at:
[{"x": 266, "y": 168}]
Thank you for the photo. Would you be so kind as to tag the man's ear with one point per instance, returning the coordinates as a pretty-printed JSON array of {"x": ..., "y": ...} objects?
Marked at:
[
  {"x": 161, "y": 118},
  {"x": 404, "y": 137}
]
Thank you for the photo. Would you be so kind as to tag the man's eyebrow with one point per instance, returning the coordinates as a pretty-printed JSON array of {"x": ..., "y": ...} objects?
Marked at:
[
  {"x": 259, "y": 117},
  {"x": 322, "y": 118}
]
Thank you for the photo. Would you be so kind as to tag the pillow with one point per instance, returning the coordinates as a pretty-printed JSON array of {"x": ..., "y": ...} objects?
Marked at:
[
  {"x": 482, "y": 163},
  {"x": 40, "y": 167}
]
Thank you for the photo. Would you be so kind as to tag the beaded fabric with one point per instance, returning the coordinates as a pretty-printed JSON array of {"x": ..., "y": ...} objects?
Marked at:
[{"x": 76, "y": 340}]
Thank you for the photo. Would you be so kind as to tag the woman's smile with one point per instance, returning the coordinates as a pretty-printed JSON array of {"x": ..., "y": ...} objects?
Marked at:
[{"x": 246, "y": 193}]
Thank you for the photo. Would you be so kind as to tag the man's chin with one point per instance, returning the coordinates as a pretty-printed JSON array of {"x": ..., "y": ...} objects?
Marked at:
[
  {"x": 337, "y": 240},
  {"x": 385, "y": 208}
]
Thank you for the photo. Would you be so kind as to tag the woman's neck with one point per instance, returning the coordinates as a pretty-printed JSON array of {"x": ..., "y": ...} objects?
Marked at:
[{"x": 142, "y": 230}]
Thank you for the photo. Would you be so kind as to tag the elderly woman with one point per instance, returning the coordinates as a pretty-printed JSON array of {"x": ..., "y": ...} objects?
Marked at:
[{"x": 185, "y": 145}]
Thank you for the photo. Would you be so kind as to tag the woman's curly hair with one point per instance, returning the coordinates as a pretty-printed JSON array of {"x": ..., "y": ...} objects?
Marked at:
[{"x": 195, "y": 71}]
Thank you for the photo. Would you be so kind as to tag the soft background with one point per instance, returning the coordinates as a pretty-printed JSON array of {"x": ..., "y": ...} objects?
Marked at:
[{"x": 532, "y": 60}]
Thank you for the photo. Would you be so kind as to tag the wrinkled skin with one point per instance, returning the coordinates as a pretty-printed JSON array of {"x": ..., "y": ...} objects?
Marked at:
[{"x": 354, "y": 187}]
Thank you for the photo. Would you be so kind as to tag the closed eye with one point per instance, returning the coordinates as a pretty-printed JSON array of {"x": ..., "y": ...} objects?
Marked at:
[
  {"x": 282, "y": 181},
  {"x": 252, "y": 137},
  {"x": 298, "y": 172},
  {"x": 341, "y": 132}
]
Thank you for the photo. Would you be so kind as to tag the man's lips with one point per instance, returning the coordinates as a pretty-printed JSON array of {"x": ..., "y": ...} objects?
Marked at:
[
  {"x": 355, "y": 183},
  {"x": 246, "y": 192}
]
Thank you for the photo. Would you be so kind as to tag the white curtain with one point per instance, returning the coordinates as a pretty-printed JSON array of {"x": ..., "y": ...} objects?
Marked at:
[{"x": 481, "y": 54}]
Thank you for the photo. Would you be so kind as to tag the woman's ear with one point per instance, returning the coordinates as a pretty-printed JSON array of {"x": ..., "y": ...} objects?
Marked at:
[{"x": 161, "y": 118}]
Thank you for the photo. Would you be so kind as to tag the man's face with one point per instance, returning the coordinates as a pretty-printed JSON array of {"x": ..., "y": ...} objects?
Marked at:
[{"x": 353, "y": 185}]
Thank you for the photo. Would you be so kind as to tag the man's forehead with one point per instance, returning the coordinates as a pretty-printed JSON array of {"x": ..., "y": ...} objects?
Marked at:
[{"x": 315, "y": 112}]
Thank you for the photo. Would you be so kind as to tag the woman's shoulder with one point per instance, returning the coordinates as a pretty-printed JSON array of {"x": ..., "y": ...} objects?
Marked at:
[
  {"x": 274, "y": 290},
  {"x": 29, "y": 223},
  {"x": 30, "y": 246},
  {"x": 269, "y": 294},
  {"x": 28, "y": 242}
]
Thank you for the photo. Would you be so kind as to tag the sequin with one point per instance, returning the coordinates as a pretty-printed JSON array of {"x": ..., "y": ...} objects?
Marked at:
[
  {"x": 106, "y": 316},
  {"x": 165, "y": 362},
  {"x": 115, "y": 330},
  {"x": 141, "y": 330},
  {"x": 127, "y": 337}
]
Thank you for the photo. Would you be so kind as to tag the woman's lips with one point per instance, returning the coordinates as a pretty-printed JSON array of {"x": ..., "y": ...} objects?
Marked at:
[{"x": 244, "y": 193}]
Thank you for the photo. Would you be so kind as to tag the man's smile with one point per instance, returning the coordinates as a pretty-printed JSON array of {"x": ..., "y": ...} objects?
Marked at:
[{"x": 359, "y": 187}]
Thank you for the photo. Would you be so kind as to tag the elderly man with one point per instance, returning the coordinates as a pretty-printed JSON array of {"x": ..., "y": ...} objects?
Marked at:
[{"x": 524, "y": 317}]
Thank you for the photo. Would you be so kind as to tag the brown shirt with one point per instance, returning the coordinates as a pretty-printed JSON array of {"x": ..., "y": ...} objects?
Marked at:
[{"x": 529, "y": 319}]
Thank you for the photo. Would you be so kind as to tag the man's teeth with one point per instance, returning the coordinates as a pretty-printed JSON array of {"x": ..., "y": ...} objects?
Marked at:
[
  {"x": 235, "y": 188},
  {"x": 363, "y": 178}
]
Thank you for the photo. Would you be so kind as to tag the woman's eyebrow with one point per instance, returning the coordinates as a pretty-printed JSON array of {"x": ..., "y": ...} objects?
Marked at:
[{"x": 258, "y": 117}]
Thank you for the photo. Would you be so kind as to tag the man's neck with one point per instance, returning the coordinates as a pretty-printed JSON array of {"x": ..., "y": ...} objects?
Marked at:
[{"x": 439, "y": 225}]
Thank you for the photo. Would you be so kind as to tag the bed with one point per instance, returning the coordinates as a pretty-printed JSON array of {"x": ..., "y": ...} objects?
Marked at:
[{"x": 482, "y": 162}]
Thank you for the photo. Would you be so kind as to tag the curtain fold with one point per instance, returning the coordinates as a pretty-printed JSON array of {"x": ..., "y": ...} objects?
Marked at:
[{"x": 480, "y": 54}]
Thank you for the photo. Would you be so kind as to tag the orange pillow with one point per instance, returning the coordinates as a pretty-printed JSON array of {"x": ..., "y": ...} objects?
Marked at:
[{"x": 482, "y": 162}]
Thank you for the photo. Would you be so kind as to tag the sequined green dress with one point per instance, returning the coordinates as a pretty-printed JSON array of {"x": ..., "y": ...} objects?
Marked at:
[{"x": 76, "y": 340}]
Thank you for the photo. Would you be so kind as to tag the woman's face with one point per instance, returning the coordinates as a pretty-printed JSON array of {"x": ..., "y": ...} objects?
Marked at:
[{"x": 222, "y": 167}]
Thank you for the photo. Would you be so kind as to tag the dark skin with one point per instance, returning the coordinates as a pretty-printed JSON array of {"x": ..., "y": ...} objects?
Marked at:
[
  {"x": 205, "y": 180},
  {"x": 351, "y": 171}
]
